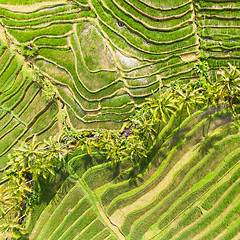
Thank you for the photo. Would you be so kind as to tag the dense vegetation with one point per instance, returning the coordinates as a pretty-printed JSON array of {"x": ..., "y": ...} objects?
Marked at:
[{"x": 119, "y": 119}]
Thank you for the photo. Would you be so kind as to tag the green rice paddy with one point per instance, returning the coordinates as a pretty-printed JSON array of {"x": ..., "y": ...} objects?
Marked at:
[{"x": 104, "y": 57}]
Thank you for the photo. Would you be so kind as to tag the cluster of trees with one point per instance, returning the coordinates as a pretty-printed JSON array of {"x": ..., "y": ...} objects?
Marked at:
[
  {"x": 145, "y": 125},
  {"x": 19, "y": 188},
  {"x": 34, "y": 160}
]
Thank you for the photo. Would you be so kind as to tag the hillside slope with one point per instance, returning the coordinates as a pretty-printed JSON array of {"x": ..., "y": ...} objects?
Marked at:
[
  {"x": 105, "y": 57},
  {"x": 190, "y": 190}
]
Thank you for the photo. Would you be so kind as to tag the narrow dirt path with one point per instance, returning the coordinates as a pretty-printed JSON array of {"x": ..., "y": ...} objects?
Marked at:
[{"x": 95, "y": 203}]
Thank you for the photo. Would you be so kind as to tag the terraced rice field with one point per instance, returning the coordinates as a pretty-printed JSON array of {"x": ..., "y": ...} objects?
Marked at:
[
  {"x": 24, "y": 111},
  {"x": 190, "y": 190},
  {"x": 104, "y": 57},
  {"x": 219, "y": 24}
]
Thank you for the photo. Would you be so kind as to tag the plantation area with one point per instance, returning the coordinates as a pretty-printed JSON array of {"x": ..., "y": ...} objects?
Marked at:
[{"x": 119, "y": 119}]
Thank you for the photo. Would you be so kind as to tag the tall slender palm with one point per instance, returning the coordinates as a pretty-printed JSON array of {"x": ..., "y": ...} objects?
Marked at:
[
  {"x": 162, "y": 105},
  {"x": 114, "y": 146},
  {"x": 25, "y": 156},
  {"x": 189, "y": 98},
  {"x": 144, "y": 127},
  {"x": 211, "y": 94},
  {"x": 135, "y": 149},
  {"x": 228, "y": 82}
]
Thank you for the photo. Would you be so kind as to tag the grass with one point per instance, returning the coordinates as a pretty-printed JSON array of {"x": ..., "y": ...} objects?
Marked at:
[
  {"x": 192, "y": 167},
  {"x": 51, "y": 130},
  {"x": 98, "y": 176},
  {"x": 6, "y": 72},
  {"x": 65, "y": 187},
  {"x": 19, "y": 102},
  {"x": 219, "y": 21},
  {"x": 5, "y": 121},
  {"x": 64, "y": 18},
  {"x": 81, "y": 207},
  {"x": 19, "y": 87},
  {"x": 6, "y": 57},
  {"x": 92, "y": 230},
  {"x": 203, "y": 175},
  {"x": 40, "y": 12},
  {"x": 8, "y": 140},
  {"x": 104, "y": 81},
  {"x": 13, "y": 123},
  {"x": 18, "y": 83},
  {"x": 51, "y": 41},
  {"x": 125, "y": 13},
  {"x": 35, "y": 106},
  {"x": 226, "y": 220},
  {"x": 95, "y": 53},
  {"x": 29, "y": 34},
  {"x": 44, "y": 119},
  {"x": 183, "y": 203},
  {"x": 60, "y": 212},
  {"x": 231, "y": 231},
  {"x": 140, "y": 6},
  {"x": 162, "y": 196},
  {"x": 102, "y": 235},
  {"x": 182, "y": 223},
  {"x": 166, "y": 150},
  {"x": 116, "y": 101},
  {"x": 79, "y": 225},
  {"x": 205, "y": 221},
  {"x": 214, "y": 197},
  {"x": 149, "y": 51}
]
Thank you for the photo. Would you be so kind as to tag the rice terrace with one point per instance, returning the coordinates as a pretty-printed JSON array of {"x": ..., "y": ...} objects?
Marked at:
[{"x": 119, "y": 119}]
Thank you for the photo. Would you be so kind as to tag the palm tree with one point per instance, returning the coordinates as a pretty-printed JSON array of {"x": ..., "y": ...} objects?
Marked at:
[
  {"x": 24, "y": 157},
  {"x": 135, "y": 149},
  {"x": 144, "y": 126},
  {"x": 86, "y": 143},
  {"x": 211, "y": 94},
  {"x": 162, "y": 105},
  {"x": 189, "y": 98},
  {"x": 228, "y": 82},
  {"x": 113, "y": 145}
]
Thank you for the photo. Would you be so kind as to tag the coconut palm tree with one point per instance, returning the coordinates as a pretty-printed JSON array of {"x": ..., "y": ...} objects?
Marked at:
[
  {"x": 144, "y": 126},
  {"x": 24, "y": 157},
  {"x": 135, "y": 149},
  {"x": 189, "y": 98},
  {"x": 211, "y": 94},
  {"x": 113, "y": 145},
  {"x": 162, "y": 105},
  {"x": 202, "y": 68},
  {"x": 228, "y": 83}
]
